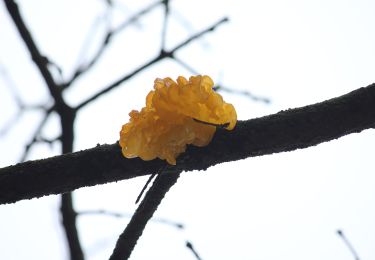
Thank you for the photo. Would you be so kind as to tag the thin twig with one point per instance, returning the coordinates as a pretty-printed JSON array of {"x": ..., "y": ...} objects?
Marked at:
[
  {"x": 152, "y": 176},
  {"x": 148, "y": 182},
  {"x": 127, "y": 215},
  {"x": 192, "y": 249},
  {"x": 187, "y": 25},
  {"x": 40, "y": 61},
  {"x": 10, "y": 123},
  {"x": 67, "y": 117},
  {"x": 225, "y": 125},
  {"x": 244, "y": 93},
  {"x": 135, "y": 17},
  {"x": 165, "y": 25},
  {"x": 21, "y": 106},
  {"x": 200, "y": 34},
  {"x": 36, "y": 134},
  {"x": 185, "y": 65},
  {"x": 341, "y": 234},
  {"x": 11, "y": 86},
  {"x": 162, "y": 55},
  {"x": 128, "y": 239},
  {"x": 83, "y": 68}
]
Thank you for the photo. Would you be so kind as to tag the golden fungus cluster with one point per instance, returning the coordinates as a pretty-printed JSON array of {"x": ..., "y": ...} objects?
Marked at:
[{"x": 176, "y": 114}]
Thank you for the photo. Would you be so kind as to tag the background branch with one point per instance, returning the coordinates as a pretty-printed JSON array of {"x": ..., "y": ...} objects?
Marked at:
[
  {"x": 163, "y": 54},
  {"x": 146, "y": 209},
  {"x": 40, "y": 61},
  {"x": 164, "y": 221},
  {"x": 349, "y": 245},
  {"x": 85, "y": 67},
  {"x": 67, "y": 118},
  {"x": 285, "y": 131}
]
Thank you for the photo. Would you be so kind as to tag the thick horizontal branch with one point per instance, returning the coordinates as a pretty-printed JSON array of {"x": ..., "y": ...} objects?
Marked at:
[{"x": 285, "y": 131}]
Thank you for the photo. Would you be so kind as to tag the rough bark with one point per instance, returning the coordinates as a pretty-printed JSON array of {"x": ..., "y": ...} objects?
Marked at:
[{"x": 285, "y": 131}]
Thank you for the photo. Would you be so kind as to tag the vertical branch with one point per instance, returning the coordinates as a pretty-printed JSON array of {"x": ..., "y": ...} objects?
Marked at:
[
  {"x": 69, "y": 215},
  {"x": 165, "y": 25},
  {"x": 67, "y": 117}
]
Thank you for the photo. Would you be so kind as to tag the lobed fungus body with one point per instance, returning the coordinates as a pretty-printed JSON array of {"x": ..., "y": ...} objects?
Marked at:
[{"x": 176, "y": 114}]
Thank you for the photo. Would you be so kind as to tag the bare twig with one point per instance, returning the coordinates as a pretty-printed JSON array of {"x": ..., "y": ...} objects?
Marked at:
[
  {"x": 67, "y": 116},
  {"x": 187, "y": 25},
  {"x": 148, "y": 182},
  {"x": 341, "y": 234},
  {"x": 36, "y": 135},
  {"x": 185, "y": 65},
  {"x": 244, "y": 93},
  {"x": 105, "y": 42},
  {"x": 10, "y": 123},
  {"x": 128, "y": 239},
  {"x": 189, "y": 245},
  {"x": 10, "y": 85},
  {"x": 200, "y": 34},
  {"x": 165, "y": 25},
  {"x": 162, "y": 55},
  {"x": 127, "y": 215},
  {"x": 85, "y": 66},
  {"x": 137, "y": 16},
  {"x": 152, "y": 176},
  {"x": 21, "y": 106},
  {"x": 40, "y": 61}
]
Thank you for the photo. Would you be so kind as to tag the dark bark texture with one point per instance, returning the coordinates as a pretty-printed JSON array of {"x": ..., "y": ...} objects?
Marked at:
[
  {"x": 133, "y": 231},
  {"x": 285, "y": 131}
]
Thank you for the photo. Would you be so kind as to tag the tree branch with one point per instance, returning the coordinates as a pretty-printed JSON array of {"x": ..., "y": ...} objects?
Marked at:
[
  {"x": 163, "y": 54},
  {"x": 285, "y": 131},
  {"x": 165, "y": 24},
  {"x": 102, "y": 212},
  {"x": 133, "y": 231},
  {"x": 67, "y": 116},
  {"x": 40, "y": 61},
  {"x": 69, "y": 219},
  {"x": 83, "y": 68}
]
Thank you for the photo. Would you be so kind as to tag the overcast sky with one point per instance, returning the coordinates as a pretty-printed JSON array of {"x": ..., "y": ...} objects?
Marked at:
[{"x": 282, "y": 206}]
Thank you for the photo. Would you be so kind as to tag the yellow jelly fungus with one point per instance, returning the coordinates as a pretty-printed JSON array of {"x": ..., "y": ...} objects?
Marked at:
[{"x": 176, "y": 114}]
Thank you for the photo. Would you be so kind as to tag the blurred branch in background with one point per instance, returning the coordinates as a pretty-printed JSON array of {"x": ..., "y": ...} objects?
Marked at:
[
  {"x": 190, "y": 246},
  {"x": 163, "y": 54},
  {"x": 349, "y": 245},
  {"x": 245, "y": 93},
  {"x": 111, "y": 32},
  {"x": 67, "y": 119},
  {"x": 220, "y": 88},
  {"x": 20, "y": 105},
  {"x": 37, "y": 137},
  {"x": 128, "y": 215}
]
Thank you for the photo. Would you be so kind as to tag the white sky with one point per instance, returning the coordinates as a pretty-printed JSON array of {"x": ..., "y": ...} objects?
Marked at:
[{"x": 283, "y": 206}]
